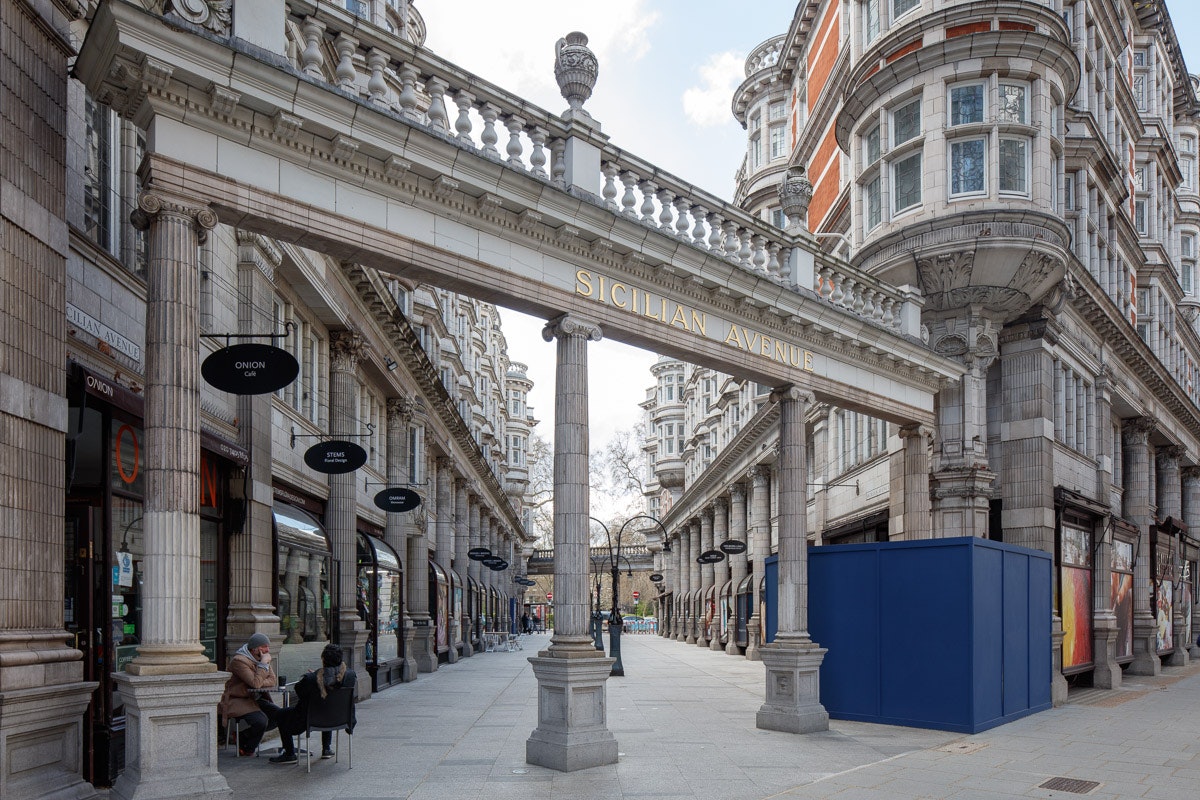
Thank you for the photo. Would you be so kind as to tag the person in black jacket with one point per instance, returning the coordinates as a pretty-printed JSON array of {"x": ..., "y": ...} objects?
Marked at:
[{"x": 333, "y": 674}]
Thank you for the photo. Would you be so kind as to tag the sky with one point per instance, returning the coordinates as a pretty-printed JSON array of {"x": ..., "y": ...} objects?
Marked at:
[{"x": 668, "y": 69}]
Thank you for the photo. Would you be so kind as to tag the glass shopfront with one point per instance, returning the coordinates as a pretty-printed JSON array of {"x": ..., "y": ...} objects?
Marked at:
[
  {"x": 1164, "y": 569},
  {"x": 380, "y": 586},
  {"x": 304, "y": 569},
  {"x": 105, "y": 549},
  {"x": 1121, "y": 597},
  {"x": 1075, "y": 597}
]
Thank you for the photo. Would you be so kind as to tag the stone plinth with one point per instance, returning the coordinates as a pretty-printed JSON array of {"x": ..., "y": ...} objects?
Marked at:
[
  {"x": 572, "y": 733},
  {"x": 753, "y": 634},
  {"x": 423, "y": 646},
  {"x": 41, "y": 739},
  {"x": 1107, "y": 672},
  {"x": 171, "y": 737},
  {"x": 793, "y": 703},
  {"x": 1146, "y": 660}
]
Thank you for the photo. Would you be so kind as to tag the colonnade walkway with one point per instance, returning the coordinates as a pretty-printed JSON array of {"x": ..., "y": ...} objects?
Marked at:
[{"x": 684, "y": 721}]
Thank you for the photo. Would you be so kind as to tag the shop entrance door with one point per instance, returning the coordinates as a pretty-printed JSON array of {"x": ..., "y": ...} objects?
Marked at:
[{"x": 79, "y": 603}]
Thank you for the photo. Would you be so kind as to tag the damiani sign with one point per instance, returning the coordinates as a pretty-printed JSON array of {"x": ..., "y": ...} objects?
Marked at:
[{"x": 669, "y": 312}]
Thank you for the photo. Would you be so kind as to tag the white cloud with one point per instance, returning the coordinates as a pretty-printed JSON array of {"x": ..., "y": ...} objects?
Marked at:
[{"x": 707, "y": 105}]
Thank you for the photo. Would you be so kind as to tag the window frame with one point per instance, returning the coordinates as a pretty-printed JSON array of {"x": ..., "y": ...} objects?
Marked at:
[{"x": 982, "y": 189}]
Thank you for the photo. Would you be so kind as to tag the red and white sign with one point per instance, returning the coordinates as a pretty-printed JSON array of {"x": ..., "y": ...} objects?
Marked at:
[
  {"x": 549, "y": 595},
  {"x": 636, "y": 594}
]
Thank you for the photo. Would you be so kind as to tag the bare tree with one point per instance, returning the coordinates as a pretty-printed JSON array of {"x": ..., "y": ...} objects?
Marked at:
[{"x": 540, "y": 494}]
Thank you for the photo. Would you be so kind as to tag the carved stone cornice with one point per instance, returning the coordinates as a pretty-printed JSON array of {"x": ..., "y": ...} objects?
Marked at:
[
  {"x": 260, "y": 252},
  {"x": 346, "y": 349},
  {"x": 569, "y": 325}
]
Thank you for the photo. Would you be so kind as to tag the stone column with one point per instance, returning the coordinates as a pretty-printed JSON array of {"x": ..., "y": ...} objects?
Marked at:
[
  {"x": 1136, "y": 438},
  {"x": 395, "y": 529},
  {"x": 918, "y": 518},
  {"x": 1107, "y": 672},
  {"x": 472, "y": 568},
  {"x": 444, "y": 546},
  {"x": 1191, "y": 518},
  {"x": 423, "y": 643},
  {"x": 760, "y": 544},
  {"x": 463, "y": 508},
  {"x": 737, "y": 562},
  {"x": 720, "y": 508},
  {"x": 793, "y": 660},
  {"x": 1170, "y": 504},
  {"x": 695, "y": 581},
  {"x": 489, "y": 575},
  {"x": 572, "y": 730},
  {"x": 251, "y": 554},
  {"x": 707, "y": 576},
  {"x": 170, "y": 688},
  {"x": 347, "y": 348},
  {"x": 684, "y": 571}
]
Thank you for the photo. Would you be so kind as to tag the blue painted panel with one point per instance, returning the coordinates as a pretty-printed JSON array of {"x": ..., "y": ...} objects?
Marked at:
[
  {"x": 950, "y": 633},
  {"x": 771, "y": 595}
]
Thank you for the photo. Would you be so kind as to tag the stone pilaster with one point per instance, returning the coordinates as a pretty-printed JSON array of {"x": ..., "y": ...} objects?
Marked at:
[
  {"x": 792, "y": 703},
  {"x": 423, "y": 643},
  {"x": 1191, "y": 517},
  {"x": 171, "y": 687},
  {"x": 251, "y": 554},
  {"x": 347, "y": 348},
  {"x": 695, "y": 582},
  {"x": 1107, "y": 672},
  {"x": 760, "y": 544},
  {"x": 1136, "y": 438},
  {"x": 721, "y": 568},
  {"x": 1170, "y": 505},
  {"x": 473, "y": 567},
  {"x": 395, "y": 528},
  {"x": 444, "y": 538},
  {"x": 738, "y": 562},
  {"x": 463, "y": 508},
  {"x": 707, "y": 577},
  {"x": 682, "y": 600},
  {"x": 572, "y": 730},
  {"x": 918, "y": 518}
]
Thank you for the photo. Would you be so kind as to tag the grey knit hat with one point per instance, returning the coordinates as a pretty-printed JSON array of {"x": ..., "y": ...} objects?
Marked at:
[{"x": 258, "y": 640}]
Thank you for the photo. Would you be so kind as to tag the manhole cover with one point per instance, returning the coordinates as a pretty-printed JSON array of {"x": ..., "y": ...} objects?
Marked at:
[
  {"x": 1072, "y": 785},
  {"x": 963, "y": 748}
]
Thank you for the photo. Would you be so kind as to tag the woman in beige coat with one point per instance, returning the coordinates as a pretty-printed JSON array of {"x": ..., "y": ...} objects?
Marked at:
[{"x": 244, "y": 698}]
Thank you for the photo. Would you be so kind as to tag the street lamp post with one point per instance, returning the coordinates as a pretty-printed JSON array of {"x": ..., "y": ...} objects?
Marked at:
[{"x": 597, "y": 638}]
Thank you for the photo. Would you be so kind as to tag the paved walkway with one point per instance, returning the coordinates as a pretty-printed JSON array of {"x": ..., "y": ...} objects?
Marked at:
[{"x": 684, "y": 721}]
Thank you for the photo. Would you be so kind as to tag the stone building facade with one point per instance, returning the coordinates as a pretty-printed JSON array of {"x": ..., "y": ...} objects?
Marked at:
[
  {"x": 418, "y": 377},
  {"x": 1030, "y": 168}
]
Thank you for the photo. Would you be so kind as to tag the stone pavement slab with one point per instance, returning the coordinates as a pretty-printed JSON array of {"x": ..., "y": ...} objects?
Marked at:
[{"x": 683, "y": 718}]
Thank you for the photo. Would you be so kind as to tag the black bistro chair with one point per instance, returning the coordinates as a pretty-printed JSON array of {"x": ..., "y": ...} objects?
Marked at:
[{"x": 331, "y": 714}]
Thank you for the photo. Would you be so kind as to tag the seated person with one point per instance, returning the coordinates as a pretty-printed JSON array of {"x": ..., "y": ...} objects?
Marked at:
[
  {"x": 244, "y": 698},
  {"x": 333, "y": 674}
]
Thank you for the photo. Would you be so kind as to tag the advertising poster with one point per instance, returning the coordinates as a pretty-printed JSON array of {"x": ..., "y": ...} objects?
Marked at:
[
  {"x": 443, "y": 617},
  {"x": 1164, "y": 596},
  {"x": 1122, "y": 598},
  {"x": 1076, "y": 587}
]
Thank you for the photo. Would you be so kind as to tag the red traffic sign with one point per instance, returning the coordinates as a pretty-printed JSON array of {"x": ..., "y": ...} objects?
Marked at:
[
  {"x": 549, "y": 595},
  {"x": 636, "y": 594}
]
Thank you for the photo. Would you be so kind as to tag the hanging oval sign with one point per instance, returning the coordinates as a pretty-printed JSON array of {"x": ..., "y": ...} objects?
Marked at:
[
  {"x": 395, "y": 498},
  {"x": 478, "y": 553},
  {"x": 711, "y": 556},
  {"x": 503, "y": 565},
  {"x": 335, "y": 457},
  {"x": 733, "y": 546},
  {"x": 490, "y": 561},
  {"x": 250, "y": 368},
  {"x": 656, "y": 577}
]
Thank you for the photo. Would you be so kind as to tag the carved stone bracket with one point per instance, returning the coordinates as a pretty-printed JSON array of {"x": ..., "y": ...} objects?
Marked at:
[{"x": 213, "y": 15}]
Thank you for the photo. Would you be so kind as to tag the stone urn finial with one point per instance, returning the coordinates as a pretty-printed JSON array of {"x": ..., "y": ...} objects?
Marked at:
[
  {"x": 575, "y": 69},
  {"x": 795, "y": 193}
]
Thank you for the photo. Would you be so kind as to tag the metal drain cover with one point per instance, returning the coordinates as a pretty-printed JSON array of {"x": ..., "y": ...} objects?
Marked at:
[
  {"x": 962, "y": 748},
  {"x": 1072, "y": 785}
]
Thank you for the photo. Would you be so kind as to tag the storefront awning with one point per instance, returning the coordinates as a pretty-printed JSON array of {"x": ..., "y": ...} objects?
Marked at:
[
  {"x": 297, "y": 528},
  {"x": 384, "y": 556}
]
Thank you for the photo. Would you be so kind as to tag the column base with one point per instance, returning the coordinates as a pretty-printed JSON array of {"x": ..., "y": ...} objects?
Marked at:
[
  {"x": 467, "y": 649},
  {"x": 689, "y": 630},
  {"x": 1146, "y": 660},
  {"x": 423, "y": 648},
  {"x": 353, "y": 639},
  {"x": 1107, "y": 672},
  {"x": 732, "y": 648},
  {"x": 753, "y": 633},
  {"x": 1180, "y": 657},
  {"x": 41, "y": 737},
  {"x": 793, "y": 696},
  {"x": 572, "y": 732},
  {"x": 171, "y": 737},
  {"x": 715, "y": 644},
  {"x": 408, "y": 670},
  {"x": 1058, "y": 681}
]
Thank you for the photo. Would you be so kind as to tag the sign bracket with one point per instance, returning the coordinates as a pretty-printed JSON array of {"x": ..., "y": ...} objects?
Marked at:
[
  {"x": 288, "y": 327},
  {"x": 329, "y": 437}
]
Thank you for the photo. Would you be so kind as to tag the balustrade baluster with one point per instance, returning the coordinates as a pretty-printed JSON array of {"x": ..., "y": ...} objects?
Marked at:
[
  {"x": 629, "y": 199},
  {"x": 682, "y": 206},
  {"x": 759, "y": 258},
  {"x": 825, "y": 282},
  {"x": 731, "y": 240},
  {"x": 489, "y": 113},
  {"x": 346, "y": 47},
  {"x": 785, "y": 266},
  {"x": 889, "y": 312},
  {"x": 515, "y": 148},
  {"x": 716, "y": 224},
  {"x": 464, "y": 101},
  {"x": 408, "y": 89},
  {"x": 311, "y": 60},
  {"x": 438, "y": 118},
  {"x": 773, "y": 266},
  {"x": 744, "y": 253},
  {"x": 666, "y": 215},
  {"x": 699, "y": 234},
  {"x": 609, "y": 170},
  {"x": 837, "y": 295},
  {"x": 537, "y": 159},
  {"x": 648, "y": 188},
  {"x": 558, "y": 167}
]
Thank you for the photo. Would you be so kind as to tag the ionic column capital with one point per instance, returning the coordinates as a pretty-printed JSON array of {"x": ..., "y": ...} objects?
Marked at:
[
  {"x": 792, "y": 392},
  {"x": 154, "y": 205},
  {"x": 917, "y": 430},
  {"x": 569, "y": 325}
]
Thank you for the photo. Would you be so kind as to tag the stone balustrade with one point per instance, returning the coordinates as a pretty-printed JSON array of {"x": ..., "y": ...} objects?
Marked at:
[{"x": 423, "y": 90}]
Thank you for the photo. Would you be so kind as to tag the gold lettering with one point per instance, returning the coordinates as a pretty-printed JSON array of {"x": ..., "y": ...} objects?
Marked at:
[
  {"x": 781, "y": 351},
  {"x": 646, "y": 307},
  {"x": 662, "y": 310},
  {"x": 732, "y": 337},
  {"x": 633, "y": 305},
  {"x": 808, "y": 361},
  {"x": 612, "y": 294},
  {"x": 765, "y": 346},
  {"x": 679, "y": 317},
  {"x": 793, "y": 355},
  {"x": 752, "y": 343},
  {"x": 583, "y": 279},
  {"x": 700, "y": 322},
  {"x": 600, "y": 294}
]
